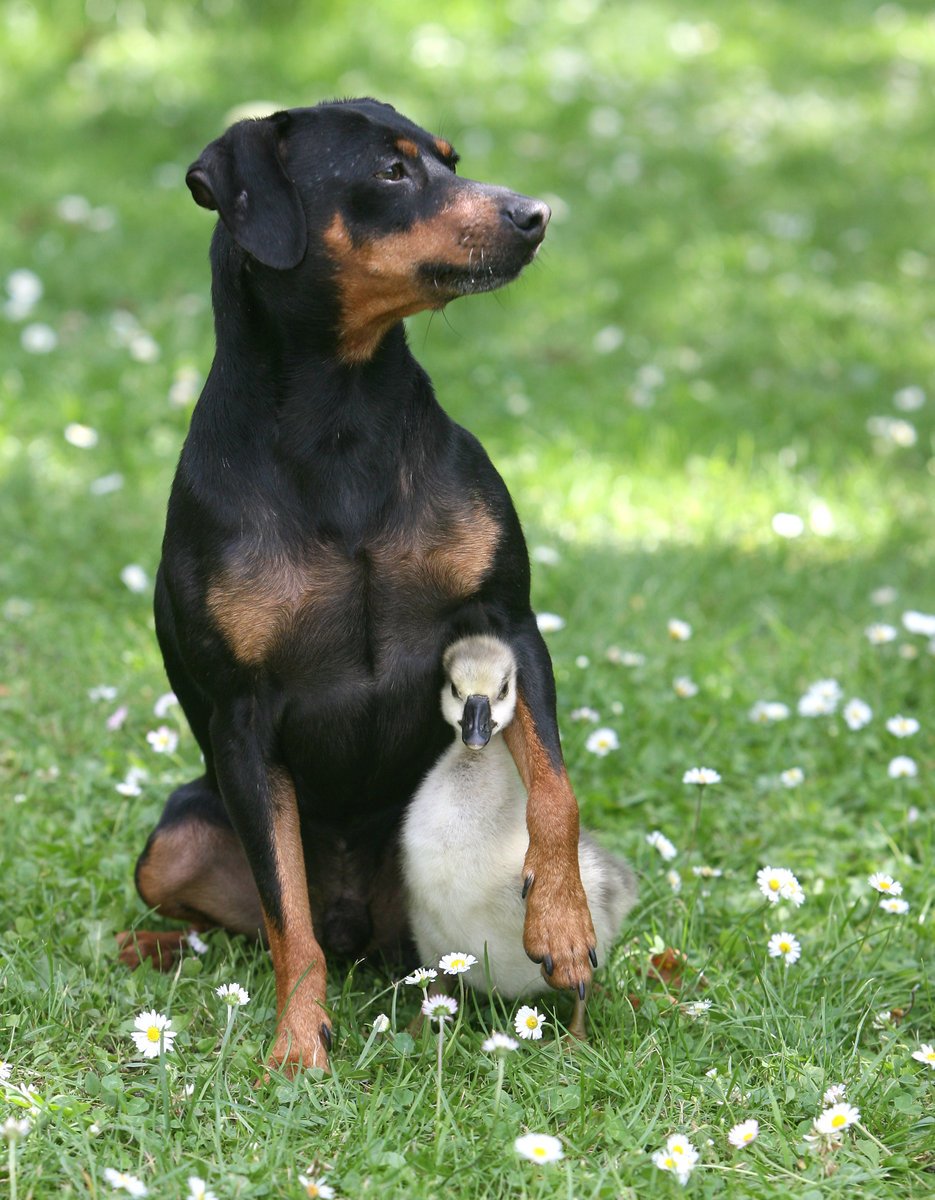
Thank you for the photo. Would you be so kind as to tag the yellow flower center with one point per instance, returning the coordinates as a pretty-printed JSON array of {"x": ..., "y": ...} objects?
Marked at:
[
  {"x": 774, "y": 885},
  {"x": 532, "y": 1022},
  {"x": 312, "y": 1190},
  {"x": 457, "y": 962},
  {"x": 930, "y": 1057},
  {"x": 748, "y": 1136},
  {"x": 838, "y": 1120},
  {"x": 670, "y": 1163},
  {"x": 539, "y": 1151},
  {"x": 884, "y": 885},
  {"x": 785, "y": 947},
  {"x": 152, "y": 1034}
]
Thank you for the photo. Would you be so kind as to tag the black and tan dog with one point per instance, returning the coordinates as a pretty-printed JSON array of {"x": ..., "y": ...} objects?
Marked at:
[{"x": 330, "y": 532}]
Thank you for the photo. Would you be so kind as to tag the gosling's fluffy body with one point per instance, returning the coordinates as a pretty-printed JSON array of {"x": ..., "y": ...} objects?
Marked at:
[{"x": 465, "y": 839}]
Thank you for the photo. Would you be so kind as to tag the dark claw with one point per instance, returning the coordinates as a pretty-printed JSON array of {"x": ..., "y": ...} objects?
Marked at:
[
  {"x": 527, "y": 884},
  {"x": 326, "y": 1037},
  {"x": 592, "y": 955},
  {"x": 581, "y": 989},
  {"x": 548, "y": 964}
]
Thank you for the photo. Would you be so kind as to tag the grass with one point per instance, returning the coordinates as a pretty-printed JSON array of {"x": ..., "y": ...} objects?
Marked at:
[{"x": 737, "y": 280}]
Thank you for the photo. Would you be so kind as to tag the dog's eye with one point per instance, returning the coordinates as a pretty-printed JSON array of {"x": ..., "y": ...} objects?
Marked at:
[
  {"x": 392, "y": 174},
  {"x": 454, "y": 692},
  {"x": 504, "y": 689}
]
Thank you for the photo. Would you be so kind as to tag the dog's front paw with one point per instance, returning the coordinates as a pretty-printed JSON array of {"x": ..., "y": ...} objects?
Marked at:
[
  {"x": 301, "y": 1049},
  {"x": 558, "y": 931}
]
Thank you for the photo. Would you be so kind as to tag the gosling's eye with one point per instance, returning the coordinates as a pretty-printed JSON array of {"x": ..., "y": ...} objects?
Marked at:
[
  {"x": 454, "y": 692},
  {"x": 504, "y": 689},
  {"x": 393, "y": 174}
]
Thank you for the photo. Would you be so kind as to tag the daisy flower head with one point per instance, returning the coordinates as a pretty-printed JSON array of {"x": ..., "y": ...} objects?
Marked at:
[
  {"x": 674, "y": 880},
  {"x": 549, "y": 622},
  {"x": 792, "y": 777},
  {"x": 785, "y": 946},
  {"x": 778, "y": 883},
  {"x": 679, "y": 631},
  {"x": 196, "y": 943},
  {"x": 120, "y": 1181},
  {"x": 696, "y": 1008},
  {"x": 706, "y": 872},
  {"x": 198, "y": 1189},
  {"x": 134, "y": 578},
  {"x": 163, "y": 740},
  {"x": 233, "y": 994},
  {"x": 421, "y": 977},
  {"x": 103, "y": 691},
  {"x": 925, "y": 1054},
  {"x": 584, "y": 713},
  {"x": 701, "y": 776},
  {"x": 153, "y": 1031},
  {"x": 6, "y": 1070},
  {"x": 895, "y": 904},
  {"x": 131, "y": 783},
  {"x": 662, "y": 844},
  {"x": 167, "y": 701},
  {"x": 919, "y": 622},
  {"x": 837, "y": 1118},
  {"x": 902, "y": 767},
  {"x": 902, "y": 727},
  {"x": 499, "y": 1043},
  {"x": 14, "y": 1128},
  {"x": 678, "y": 1156},
  {"x": 456, "y": 963},
  {"x": 767, "y": 712},
  {"x": 381, "y": 1023},
  {"x": 528, "y": 1023},
  {"x": 879, "y": 634},
  {"x": 684, "y": 687},
  {"x": 857, "y": 714},
  {"x": 315, "y": 1186},
  {"x": 439, "y": 1008},
  {"x": 602, "y": 741},
  {"x": 539, "y": 1147},
  {"x": 743, "y": 1134},
  {"x": 834, "y": 1094},
  {"x": 885, "y": 884}
]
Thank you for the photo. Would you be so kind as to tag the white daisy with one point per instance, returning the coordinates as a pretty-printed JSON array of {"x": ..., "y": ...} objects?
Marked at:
[
  {"x": 421, "y": 977},
  {"x": 315, "y": 1187},
  {"x": 778, "y": 883},
  {"x": 894, "y": 904},
  {"x": 909, "y": 399},
  {"x": 38, "y": 338},
  {"x": 879, "y": 634},
  {"x": 678, "y": 1156},
  {"x": 674, "y": 880},
  {"x": 902, "y": 727},
  {"x": 835, "y": 1093},
  {"x": 135, "y": 578},
  {"x": 528, "y": 1023},
  {"x": 103, "y": 691},
  {"x": 601, "y": 742},
  {"x": 662, "y": 844},
  {"x": 626, "y": 658},
  {"x": 549, "y": 622},
  {"x": 546, "y": 555},
  {"x": 539, "y": 1147},
  {"x": 233, "y": 994},
  {"x": 582, "y": 662},
  {"x": 919, "y": 622},
  {"x": 696, "y": 1008},
  {"x": 787, "y": 525},
  {"x": 195, "y": 942},
  {"x": 120, "y": 1181},
  {"x": 439, "y": 1008},
  {"x": 814, "y": 705},
  {"x": 785, "y": 946},
  {"x": 705, "y": 872},
  {"x": 6, "y": 1070},
  {"x": 792, "y": 777},
  {"x": 165, "y": 702},
  {"x": 381, "y": 1023},
  {"x": 925, "y": 1054},
  {"x": 743, "y": 1134},
  {"x": 456, "y": 963},
  {"x": 766, "y": 712},
  {"x": 684, "y": 687},
  {"x": 163, "y": 740},
  {"x": 883, "y": 595},
  {"x": 701, "y": 776},
  {"x": 857, "y": 714},
  {"x": 902, "y": 767},
  {"x": 83, "y": 437},
  {"x": 13, "y": 1129},
  {"x": 153, "y": 1028},
  {"x": 198, "y": 1189},
  {"x": 585, "y": 714},
  {"x": 837, "y": 1118},
  {"x": 679, "y": 631},
  {"x": 499, "y": 1043},
  {"x": 885, "y": 884}
]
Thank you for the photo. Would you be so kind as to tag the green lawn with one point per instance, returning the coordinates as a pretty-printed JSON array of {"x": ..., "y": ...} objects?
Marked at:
[{"x": 732, "y": 318}]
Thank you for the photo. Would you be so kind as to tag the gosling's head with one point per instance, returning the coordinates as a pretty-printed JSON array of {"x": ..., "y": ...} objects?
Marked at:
[{"x": 479, "y": 696}]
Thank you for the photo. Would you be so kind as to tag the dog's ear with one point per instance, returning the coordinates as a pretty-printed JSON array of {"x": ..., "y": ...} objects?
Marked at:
[{"x": 241, "y": 177}]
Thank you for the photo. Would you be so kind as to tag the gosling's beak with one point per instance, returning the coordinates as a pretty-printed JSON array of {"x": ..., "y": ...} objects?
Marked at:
[{"x": 476, "y": 726}]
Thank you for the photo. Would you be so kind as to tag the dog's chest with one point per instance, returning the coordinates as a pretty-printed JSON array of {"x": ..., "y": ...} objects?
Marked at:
[{"x": 322, "y": 599}]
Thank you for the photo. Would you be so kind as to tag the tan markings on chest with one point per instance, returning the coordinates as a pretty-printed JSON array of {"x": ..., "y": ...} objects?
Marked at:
[{"x": 255, "y": 599}]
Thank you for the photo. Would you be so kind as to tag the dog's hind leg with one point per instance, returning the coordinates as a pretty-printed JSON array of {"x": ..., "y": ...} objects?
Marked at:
[{"x": 193, "y": 869}]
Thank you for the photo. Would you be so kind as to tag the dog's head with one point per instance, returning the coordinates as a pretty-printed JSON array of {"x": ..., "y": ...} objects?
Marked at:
[{"x": 355, "y": 191}]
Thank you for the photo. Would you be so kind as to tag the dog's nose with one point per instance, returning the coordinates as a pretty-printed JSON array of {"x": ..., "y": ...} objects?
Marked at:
[{"x": 529, "y": 216}]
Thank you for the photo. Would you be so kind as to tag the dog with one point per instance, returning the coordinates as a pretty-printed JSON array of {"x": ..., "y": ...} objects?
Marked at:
[{"x": 329, "y": 532}]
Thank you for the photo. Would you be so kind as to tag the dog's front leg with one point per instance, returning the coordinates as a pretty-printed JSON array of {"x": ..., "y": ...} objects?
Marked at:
[
  {"x": 558, "y": 930},
  {"x": 261, "y": 800}
]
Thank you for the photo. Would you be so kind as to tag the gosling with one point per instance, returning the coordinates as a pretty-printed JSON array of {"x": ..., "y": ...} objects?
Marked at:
[{"x": 464, "y": 837}]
